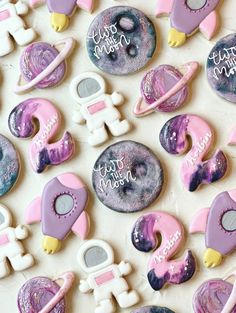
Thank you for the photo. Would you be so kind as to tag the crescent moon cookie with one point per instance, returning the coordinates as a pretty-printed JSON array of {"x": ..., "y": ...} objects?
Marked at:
[
  {"x": 43, "y": 65},
  {"x": 121, "y": 40},
  {"x": 221, "y": 68},
  {"x": 164, "y": 89},
  {"x": 152, "y": 309},
  {"x": 187, "y": 16},
  {"x": 127, "y": 177},
  {"x": 43, "y": 295}
]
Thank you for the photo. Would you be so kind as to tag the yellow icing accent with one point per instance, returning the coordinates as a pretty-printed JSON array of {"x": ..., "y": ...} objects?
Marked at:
[
  {"x": 176, "y": 38},
  {"x": 51, "y": 244},
  {"x": 59, "y": 22},
  {"x": 212, "y": 258}
]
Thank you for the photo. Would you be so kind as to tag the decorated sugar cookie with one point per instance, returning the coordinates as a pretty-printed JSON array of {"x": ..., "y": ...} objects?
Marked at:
[
  {"x": 105, "y": 279},
  {"x": 121, "y": 40},
  {"x": 97, "y": 108},
  {"x": 152, "y": 309},
  {"x": 194, "y": 171},
  {"x": 221, "y": 68},
  {"x": 11, "y": 24},
  {"x": 60, "y": 209},
  {"x": 62, "y": 10},
  {"x": 216, "y": 296},
  {"x": 219, "y": 224},
  {"x": 9, "y": 165},
  {"x": 127, "y": 177},
  {"x": 164, "y": 89},
  {"x": 43, "y": 295},
  {"x": 12, "y": 251},
  {"x": 187, "y": 16},
  {"x": 43, "y": 65},
  {"x": 42, "y": 152},
  {"x": 162, "y": 268}
]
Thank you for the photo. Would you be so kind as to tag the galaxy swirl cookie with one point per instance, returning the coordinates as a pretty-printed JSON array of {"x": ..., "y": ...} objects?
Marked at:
[
  {"x": 121, "y": 40},
  {"x": 127, "y": 177},
  {"x": 152, "y": 309}
]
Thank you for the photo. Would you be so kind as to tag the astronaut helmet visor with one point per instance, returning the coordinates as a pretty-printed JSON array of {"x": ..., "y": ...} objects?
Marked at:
[
  {"x": 5, "y": 218},
  {"x": 88, "y": 87},
  {"x": 95, "y": 256}
]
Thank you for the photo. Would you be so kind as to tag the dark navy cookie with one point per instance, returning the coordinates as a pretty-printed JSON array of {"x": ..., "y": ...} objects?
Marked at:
[
  {"x": 152, "y": 309},
  {"x": 127, "y": 177},
  {"x": 121, "y": 40}
]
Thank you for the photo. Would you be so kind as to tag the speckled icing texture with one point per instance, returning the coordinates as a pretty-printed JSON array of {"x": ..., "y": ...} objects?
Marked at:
[
  {"x": 9, "y": 165},
  {"x": 194, "y": 171},
  {"x": 36, "y": 293},
  {"x": 221, "y": 64},
  {"x": 36, "y": 58},
  {"x": 152, "y": 309},
  {"x": 160, "y": 80},
  {"x": 121, "y": 40},
  {"x": 127, "y": 177},
  {"x": 212, "y": 296}
]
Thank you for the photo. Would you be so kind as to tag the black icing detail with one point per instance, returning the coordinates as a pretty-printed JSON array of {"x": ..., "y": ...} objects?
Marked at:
[
  {"x": 113, "y": 56},
  {"x": 127, "y": 15},
  {"x": 132, "y": 50}
]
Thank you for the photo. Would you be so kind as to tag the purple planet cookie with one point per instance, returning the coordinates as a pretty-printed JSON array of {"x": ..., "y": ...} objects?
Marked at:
[
  {"x": 121, "y": 40},
  {"x": 36, "y": 293},
  {"x": 127, "y": 177},
  {"x": 9, "y": 165},
  {"x": 221, "y": 68},
  {"x": 212, "y": 296},
  {"x": 152, "y": 309}
]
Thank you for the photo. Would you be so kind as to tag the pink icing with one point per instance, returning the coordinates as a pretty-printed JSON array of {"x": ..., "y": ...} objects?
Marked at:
[
  {"x": 70, "y": 180},
  {"x": 3, "y": 239},
  {"x": 85, "y": 4},
  {"x": 4, "y": 15},
  {"x": 96, "y": 107},
  {"x": 103, "y": 278},
  {"x": 33, "y": 211},
  {"x": 209, "y": 25},
  {"x": 164, "y": 7},
  {"x": 198, "y": 225},
  {"x": 82, "y": 225}
]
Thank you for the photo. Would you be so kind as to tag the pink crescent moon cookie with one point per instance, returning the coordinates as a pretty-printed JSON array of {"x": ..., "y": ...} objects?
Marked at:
[
  {"x": 43, "y": 65},
  {"x": 43, "y": 295},
  {"x": 186, "y": 16},
  {"x": 60, "y": 209},
  {"x": 162, "y": 269},
  {"x": 216, "y": 296},
  {"x": 164, "y": 89},
  {"x": 219, "y": 225}
]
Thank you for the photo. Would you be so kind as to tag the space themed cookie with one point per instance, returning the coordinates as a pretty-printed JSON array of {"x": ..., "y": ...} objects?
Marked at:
[
  {"x": 43, "y": 65},
  {"x": 216, "y": 296},
  {"x": 43, "y": 295},
  {"x": 121, "y": 40},
  {"x": 163, "y": 234},
  {"x": 9, "y": 165},
  {"x": 221, "y": 68},
  {"x": 152, "y": 309},
  {"x": 219, "y": 224},
  {"x": 164, "y": 88},
  {"x": 60, "y": 209},
  {"x": 187, "y": 16},
  {"x": 105, "y": 278},
  {"x": 127, "y": 177}
]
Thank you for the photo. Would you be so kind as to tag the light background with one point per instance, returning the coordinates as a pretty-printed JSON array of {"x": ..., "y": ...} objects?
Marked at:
[{"x": 106, "y": 224}]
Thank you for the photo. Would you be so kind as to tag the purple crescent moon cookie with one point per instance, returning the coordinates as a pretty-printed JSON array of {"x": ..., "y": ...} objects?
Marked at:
[
  {"x": 9, "y": 165},
  {"x": 152, "y": 309},
  {"x": 221, "y": 68},
  {"x": 121, "y": 40},
  {"x": 127, "y": 177}
]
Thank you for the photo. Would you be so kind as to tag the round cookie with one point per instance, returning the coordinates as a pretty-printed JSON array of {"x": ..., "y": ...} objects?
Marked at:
[
  {"x": 152, "y": 309},
  {"x": 9, "y": 165},
  {"x": 121, "y": 40},
  {"x": 127, "y": 177},
  {"x": 221, "y": 65}
]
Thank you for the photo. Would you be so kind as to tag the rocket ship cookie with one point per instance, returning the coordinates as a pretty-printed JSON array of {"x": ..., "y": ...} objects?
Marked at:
[{"x": 187, "y": 16}]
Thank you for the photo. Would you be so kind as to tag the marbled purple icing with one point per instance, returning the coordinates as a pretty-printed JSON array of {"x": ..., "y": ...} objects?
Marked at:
[
  {"x": 131, "y": 184},
  {"x": 160, "y": 80},
  {"x": 152, "y": 309},
  {"x": 36, "y": 293},
  {"x": 212, "y": 296},
  {"x": 36, "y": 58}
]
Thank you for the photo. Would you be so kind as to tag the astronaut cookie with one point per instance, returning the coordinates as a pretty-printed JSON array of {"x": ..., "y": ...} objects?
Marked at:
[
  {"x": 43, "y": 295},
  {"x": 12, "y": 24},
  {"x": 12, "y": 251},
  {"x": 121, "y": 40},
  {"x": 61, "y": 209},
  {"x": 187, "y": 16},
  {"x": 105, "y": 279},
  {"x": 127, "y": 177},
  {"x": 97, "y": 108},
  {"x": 216, "y": 296},
  {"x": 43, "y": 65},
  {"x": 9, "y": 165},
  {"x": 152, "y": 309},
  {"x": 221, "y": 68}
]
